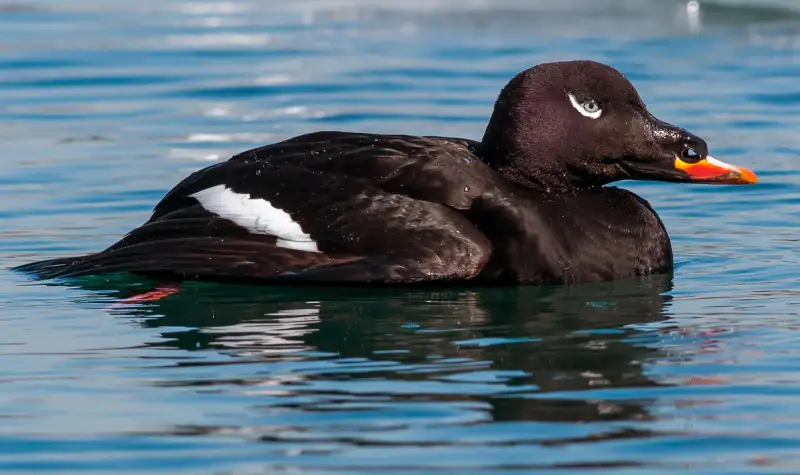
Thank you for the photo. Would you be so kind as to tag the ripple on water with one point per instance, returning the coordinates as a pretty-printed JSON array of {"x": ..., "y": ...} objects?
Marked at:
[{"x": 104, "y": 107}]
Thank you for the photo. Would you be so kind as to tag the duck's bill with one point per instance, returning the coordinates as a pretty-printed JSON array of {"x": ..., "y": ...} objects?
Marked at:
[{"x": 711, "y": 170}]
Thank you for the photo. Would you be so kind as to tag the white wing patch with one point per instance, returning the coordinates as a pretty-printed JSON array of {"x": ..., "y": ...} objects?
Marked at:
[{"x": 256, "y": 215}]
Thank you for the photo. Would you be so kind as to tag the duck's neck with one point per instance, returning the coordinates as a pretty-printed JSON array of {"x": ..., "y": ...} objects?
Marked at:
[{"x": 542, "y": 172}]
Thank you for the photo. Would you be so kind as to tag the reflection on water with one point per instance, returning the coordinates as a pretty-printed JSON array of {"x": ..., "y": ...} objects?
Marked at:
[{"x": 341, "y": 373}]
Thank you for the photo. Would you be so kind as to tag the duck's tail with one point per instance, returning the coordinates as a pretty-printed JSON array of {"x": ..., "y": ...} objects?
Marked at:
[
  {"x": 59, "y": 267},
  {"x": 202, "y": 258}
]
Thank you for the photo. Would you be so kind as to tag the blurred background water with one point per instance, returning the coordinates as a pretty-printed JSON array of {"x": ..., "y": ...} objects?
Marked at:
[{"x": 104, "y": 105}]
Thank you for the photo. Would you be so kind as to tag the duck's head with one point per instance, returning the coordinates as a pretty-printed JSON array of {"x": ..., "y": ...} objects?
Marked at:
[{"x": 581, "y": 123}]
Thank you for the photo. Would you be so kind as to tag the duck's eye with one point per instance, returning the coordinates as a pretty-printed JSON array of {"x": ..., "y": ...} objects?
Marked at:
[
  {"x": 588, "y": 107},
  {"x": 591, "y": 106}
]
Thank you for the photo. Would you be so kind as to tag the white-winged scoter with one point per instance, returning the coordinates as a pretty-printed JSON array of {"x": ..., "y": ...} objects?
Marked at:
[{"x": 525, "y": 205}]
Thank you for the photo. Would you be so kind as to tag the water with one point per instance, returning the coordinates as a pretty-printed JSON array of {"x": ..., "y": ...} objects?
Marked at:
[{"x": 105, "y": 105}]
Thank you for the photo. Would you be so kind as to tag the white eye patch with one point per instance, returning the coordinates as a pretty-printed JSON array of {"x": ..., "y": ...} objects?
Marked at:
[{"x": 588, "y": 108}]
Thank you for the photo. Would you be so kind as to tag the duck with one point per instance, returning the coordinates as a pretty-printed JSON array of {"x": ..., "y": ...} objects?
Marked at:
[{"x": 531, "y": 203}]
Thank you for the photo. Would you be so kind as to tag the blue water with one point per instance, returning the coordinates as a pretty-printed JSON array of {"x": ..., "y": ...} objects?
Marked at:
[{"x": 104, "y": 105}]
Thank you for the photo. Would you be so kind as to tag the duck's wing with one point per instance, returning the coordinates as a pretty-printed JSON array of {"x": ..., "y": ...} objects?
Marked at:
[
  {"x": 441, "y": 170},
  {"x": 267, "y": 217}
]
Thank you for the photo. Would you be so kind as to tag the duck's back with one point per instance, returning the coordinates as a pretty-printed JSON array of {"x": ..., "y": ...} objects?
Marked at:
[
  {"x": 327, "y": 206},
  {"x": 435, "y": 169}
]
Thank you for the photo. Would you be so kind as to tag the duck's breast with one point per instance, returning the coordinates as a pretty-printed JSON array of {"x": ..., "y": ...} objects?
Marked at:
[{"x": 598, "y": 235}]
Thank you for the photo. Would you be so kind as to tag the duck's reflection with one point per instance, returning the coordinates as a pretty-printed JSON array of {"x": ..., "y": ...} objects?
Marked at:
[{"x": 505, "y": 347}]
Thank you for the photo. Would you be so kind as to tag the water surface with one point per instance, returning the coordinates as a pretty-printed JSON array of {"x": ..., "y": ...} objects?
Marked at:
[{"x": 105, "y": 105}]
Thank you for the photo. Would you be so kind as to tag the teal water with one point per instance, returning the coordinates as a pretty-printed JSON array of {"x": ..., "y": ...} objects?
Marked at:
[{"x": 104, "y": 105}]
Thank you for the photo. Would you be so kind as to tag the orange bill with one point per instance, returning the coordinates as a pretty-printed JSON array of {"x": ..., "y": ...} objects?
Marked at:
[{"x": 711, "y": 170}]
